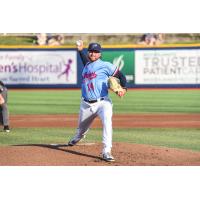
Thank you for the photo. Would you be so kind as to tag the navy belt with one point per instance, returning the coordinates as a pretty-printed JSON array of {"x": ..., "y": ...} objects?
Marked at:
[{"x": 94, "y": 101}]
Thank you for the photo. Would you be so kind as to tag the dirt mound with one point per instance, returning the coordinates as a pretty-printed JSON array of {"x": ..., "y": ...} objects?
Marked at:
[{"x": 88, "y": 154}]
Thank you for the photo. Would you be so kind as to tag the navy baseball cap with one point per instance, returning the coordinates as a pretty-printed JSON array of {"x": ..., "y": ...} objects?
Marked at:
[{"x": 94, "y": 47}]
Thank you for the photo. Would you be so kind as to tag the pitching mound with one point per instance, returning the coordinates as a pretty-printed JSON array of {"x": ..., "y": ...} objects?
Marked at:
[{"x": 89, "y": 155}]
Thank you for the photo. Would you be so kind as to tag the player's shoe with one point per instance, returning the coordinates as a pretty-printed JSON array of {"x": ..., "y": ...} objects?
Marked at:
[
  {"x": 6, "y": 129},
  {"x": 72, "y": 143},
  {"x": 75, "y": 140},
  {"x": 108, "y": 157}
]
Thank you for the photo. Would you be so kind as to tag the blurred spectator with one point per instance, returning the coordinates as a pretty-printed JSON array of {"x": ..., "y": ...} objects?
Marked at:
[
  {"x": 49, "y": 36},
  {"x": 49, "y": 39},
  {"x": 160, "y": 38},
  {"x": 41, "y": 39},
  {"x": 151, "y": 39},
  {"x": 56, "y": 40}
]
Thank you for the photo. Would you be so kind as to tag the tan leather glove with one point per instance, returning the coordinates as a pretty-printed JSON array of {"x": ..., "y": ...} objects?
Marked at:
[{"x": 114, "y": 85}]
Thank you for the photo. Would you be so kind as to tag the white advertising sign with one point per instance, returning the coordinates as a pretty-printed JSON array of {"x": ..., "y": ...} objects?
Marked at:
[
  {"x": 180, "y": 66},
  {"x": 38, "y": 67}
]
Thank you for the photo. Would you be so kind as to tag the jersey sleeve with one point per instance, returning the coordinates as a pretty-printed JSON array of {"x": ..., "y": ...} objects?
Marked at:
[
  {"x": 84, "y": 58},
  {"x": 112, "y": 69}
]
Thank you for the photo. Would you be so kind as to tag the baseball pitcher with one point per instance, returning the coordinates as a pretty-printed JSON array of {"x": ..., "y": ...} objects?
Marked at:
[{"x": 95, "y": 100}]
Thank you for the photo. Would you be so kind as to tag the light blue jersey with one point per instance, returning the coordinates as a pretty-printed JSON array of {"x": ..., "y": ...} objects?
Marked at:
[{"x": 95, "y": 79}]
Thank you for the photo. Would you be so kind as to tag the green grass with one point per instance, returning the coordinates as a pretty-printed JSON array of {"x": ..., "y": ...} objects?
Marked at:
[
  {"x": 44, "y": 102},
  {"x": 35, "y": 136},
  {"x": 168, "y": 137},
  {"x": 16, "y": 40},
  {"x": 135, "y": 101}
]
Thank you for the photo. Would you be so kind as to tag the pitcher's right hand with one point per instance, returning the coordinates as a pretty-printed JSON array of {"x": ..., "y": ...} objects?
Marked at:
[{"x": 79, "y": 44}]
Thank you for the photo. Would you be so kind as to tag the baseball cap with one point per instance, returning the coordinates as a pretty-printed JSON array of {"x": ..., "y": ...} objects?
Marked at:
[{"x": 94, "y": 47}]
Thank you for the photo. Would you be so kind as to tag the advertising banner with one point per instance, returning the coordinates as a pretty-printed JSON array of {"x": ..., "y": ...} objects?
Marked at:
[
  {"x": 180, "y": 66},
  {"x": 38, "y": 67},
  {"x": 124, "y": 60}
]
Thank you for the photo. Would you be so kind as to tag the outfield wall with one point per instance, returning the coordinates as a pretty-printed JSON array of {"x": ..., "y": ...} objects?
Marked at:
[{"x": 53, "y": 67}]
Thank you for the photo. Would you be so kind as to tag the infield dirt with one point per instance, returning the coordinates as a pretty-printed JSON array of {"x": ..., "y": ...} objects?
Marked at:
[{"x": 119, "y": 121}]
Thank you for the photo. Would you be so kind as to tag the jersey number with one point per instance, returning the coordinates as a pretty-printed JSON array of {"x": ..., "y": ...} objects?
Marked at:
[{"x": 90, "y": 86}]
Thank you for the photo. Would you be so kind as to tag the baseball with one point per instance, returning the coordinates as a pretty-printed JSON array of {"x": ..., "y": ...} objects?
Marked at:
[{"x": 78, "y": 42}]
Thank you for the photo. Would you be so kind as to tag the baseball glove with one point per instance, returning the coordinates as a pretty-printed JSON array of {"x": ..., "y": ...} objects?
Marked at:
[{"x": 114, "y": 84}]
